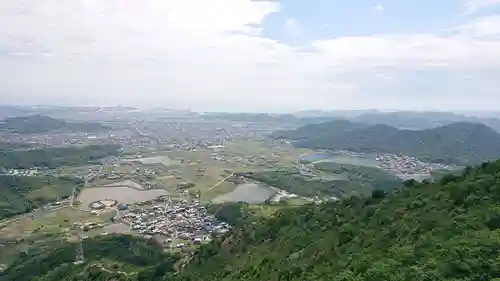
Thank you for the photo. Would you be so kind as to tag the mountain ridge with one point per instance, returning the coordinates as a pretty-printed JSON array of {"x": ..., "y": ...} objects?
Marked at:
[
  {"x": 36, "y": 124},
  {"x": 460, "y": 143}
]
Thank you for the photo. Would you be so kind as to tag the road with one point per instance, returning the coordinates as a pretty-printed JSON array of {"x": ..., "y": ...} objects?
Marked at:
[{"x": 219, "y": 183}]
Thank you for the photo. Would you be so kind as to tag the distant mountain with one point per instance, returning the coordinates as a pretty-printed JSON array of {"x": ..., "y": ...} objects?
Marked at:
[
  {"x": 37, "y": 124},
  {"x": 335, "y": 113},
  {"x": 457, "y": 143},
  {"x": 421, "y": 120},
  {"x": 312, "y": 131},
  {"x": 284, "y": 119}
]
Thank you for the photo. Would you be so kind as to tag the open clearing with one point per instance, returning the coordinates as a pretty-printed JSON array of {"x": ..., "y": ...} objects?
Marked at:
[{"x": 122, "y": 194}]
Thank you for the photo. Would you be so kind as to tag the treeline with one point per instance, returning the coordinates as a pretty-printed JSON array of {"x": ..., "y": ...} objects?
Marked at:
[
  {"x": 447, "y": 230},
  {"x": 236, "y": 214},
  {"x": 20, "y": 194},
  {"x": 56, "y": 156}
]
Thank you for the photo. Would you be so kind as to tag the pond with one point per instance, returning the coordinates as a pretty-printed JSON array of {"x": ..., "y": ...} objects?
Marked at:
[
  {"x": 341, "y": 158},
  {"x": 353, "y": 160},
  {"x": 164, "y": 160},
  {"x": 250, "y": 193},
  {"x": 122, "y": 194},
  {"x": 313, "y": 157}
]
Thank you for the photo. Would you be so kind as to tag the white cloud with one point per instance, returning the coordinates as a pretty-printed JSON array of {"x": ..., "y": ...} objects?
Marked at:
[
  {"x": 292, "y": 26},
  {"x": 482, "y": 28},
  {"x": 212, "y": 55},
  {"x": 379, "y": 8},
  {"x": 473, "y": 6}
]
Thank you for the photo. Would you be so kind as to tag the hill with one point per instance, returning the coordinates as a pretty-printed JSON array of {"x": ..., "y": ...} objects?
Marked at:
[
  {"x": 54, "y": 157},
  {"x": 457, "y": 143},
  {"x": 38, "y": 124},
  {"x": 22, "y": 194},
  {"x": 421, "y": 120},
  {"x": 107, "y": 258},
  {"x": 448, "y": 230},
  {"x": 318, "y": 131}
]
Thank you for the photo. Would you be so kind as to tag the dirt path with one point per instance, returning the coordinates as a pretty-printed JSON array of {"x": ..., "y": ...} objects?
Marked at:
[{"x": 219, "y": 183}]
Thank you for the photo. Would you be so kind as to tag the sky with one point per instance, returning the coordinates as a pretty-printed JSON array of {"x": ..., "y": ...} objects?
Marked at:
[{"x": 252, "y": 56}]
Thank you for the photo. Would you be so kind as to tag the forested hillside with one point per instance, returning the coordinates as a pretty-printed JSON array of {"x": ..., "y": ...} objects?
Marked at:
[
  {"x": 447, "y": 231},
  {"x": 457, "y": 143},
  {"x": 55, "y": 156},
  {"x": 107, "y": 258},
  {"x": 37, "y": 124},
  {"x": 20, "y": 194}
]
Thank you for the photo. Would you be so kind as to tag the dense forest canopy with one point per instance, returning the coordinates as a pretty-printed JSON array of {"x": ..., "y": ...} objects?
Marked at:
[
  {"x": 18, "y": 194},
  {"x": 107, "y": 257},
  {"x": 447, "y": 230}
]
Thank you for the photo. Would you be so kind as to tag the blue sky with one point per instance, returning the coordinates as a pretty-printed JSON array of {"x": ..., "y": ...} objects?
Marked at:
[
  {"x": 325, "y": 19},
  {"x": 243, "y": 55},
  {"x": 329, "y": 18}
]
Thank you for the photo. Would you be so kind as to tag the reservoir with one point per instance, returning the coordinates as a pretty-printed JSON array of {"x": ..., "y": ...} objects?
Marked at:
[
  {"x": 251, "y": 193},
  {"x": 356, "y": 159}
]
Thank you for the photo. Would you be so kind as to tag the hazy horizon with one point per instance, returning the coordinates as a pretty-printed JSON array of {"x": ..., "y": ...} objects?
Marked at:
[
  {"x": 252, "y": 56},
  {"x": 471, "y": 112}
]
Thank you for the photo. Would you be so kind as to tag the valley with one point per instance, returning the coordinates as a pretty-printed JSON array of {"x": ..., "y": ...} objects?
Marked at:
[{"x": 184, "y": 185}]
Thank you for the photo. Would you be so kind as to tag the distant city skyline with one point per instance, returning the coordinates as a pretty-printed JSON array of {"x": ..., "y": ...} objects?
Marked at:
[{"x": 252, "y": 56}]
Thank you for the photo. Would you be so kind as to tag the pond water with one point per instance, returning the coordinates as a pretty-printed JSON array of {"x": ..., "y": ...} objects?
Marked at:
[
  {"x": 164, "y": 160},
  {"x": 122, "y": 194},
  {"x": 249, "y": 193},
  {"x": 129, "y": 183},
  {"x": 353, "y": 160},
  {"x": 341, "y": 158},
  {"x": 313, "y": 157}
]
